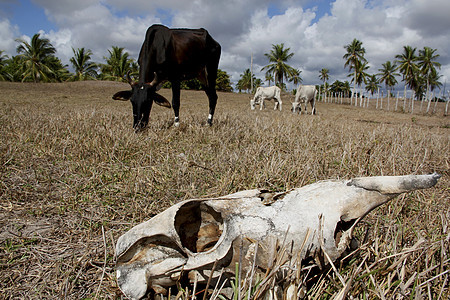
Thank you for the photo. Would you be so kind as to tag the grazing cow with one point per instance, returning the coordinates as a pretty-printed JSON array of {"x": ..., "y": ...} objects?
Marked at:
[
  {"x": 266, "y": 93},
  {"x": 174, "y": 55},
  {"x": 305, "y": 94}
]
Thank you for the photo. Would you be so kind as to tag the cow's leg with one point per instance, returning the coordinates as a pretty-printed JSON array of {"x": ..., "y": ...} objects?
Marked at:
[
  {"x": 279, "y": 103},
  {"x": 210, "y": 88},
  {"x": 176, "y": 101},
  {"x": 276, "y": 104},
  {"x": 313, "y": 107},
  {"x": 212, "y": 97}
]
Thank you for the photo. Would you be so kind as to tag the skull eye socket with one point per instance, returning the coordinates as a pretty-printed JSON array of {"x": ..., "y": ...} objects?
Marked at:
[
  {"x": 341, "y": 227},
  {"x": 199, "y": 226}
]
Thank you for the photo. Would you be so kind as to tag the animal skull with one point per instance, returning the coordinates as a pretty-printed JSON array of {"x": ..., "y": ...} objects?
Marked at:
[{"x": 192, "y": 235}]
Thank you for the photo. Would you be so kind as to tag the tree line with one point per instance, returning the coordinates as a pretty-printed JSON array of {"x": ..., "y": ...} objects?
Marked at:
[
  {"x": 36, "y": 61},
  {"x": 417, "y": 68}
]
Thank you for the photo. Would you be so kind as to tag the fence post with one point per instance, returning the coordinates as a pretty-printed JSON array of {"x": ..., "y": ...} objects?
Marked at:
[
  {"x": 429, "y": 102},
  {"x": 446, "y": 102},
  {"x": 378, "y": 96},
  {"x": 435, "y": 102},
  {"x": 396, "y": 103},
  {"x": 389, "y": 96}
]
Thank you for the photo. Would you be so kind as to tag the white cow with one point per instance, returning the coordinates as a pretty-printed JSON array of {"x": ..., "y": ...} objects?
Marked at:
[
  {"x": 266, "y": 93},
  {"x": 305, "y": 94}
]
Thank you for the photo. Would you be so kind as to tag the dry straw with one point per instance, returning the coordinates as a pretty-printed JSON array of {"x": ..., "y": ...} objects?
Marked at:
[{"x": 74, "y": 176}]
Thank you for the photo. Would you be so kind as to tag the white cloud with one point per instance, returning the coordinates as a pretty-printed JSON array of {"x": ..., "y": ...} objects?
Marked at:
[{"x": 8, "y": 34}]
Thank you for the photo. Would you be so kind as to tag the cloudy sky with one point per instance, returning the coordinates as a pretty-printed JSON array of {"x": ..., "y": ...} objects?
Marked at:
[{"x": 315, "y": 31}]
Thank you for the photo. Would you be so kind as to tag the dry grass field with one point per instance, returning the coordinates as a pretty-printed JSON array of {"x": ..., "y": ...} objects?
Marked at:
[{"x": 74, "y": 177}]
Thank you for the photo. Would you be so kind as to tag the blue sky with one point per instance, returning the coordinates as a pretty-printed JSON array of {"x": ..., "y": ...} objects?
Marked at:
[
  {"x": 28, "y": 16},
  {"x": 315, "y": 31}
]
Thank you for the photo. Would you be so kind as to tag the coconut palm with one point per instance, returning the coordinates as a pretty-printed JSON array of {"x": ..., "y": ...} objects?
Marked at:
[
  {"x": 245, "y": 82},
  {"x": 84, "y": 68},
  {"x": 337, "y": 87},
  {"x": 372, "y": 84},
  {"x": 355, "y": 54},
  {"x": 323, "y": 75},
  {"x": 278, "y": 66},
  {"x": 3, "y": 61},
  {"x": 269, "y": 78},
  {"x": 295, "y": 77},
  {"x": 360, "y": 75},
  {"x": 433, "y": 80},
  {"x": 388, "y": 73},
  {"x": 117, "y": 64},
  {"x": 432, "y": 83},
  {"x": 36, "y": 59},
  {"x": 407, "y": 66},
  {"x": 346, "y": 88},
  {"x": 60, "y": 71},
  {"x": 428, "y": 64}
]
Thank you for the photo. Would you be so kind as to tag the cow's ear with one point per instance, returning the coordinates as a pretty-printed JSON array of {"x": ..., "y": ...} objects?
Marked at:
[
  {"x": 160, "y": 100},
  {"x": 122, "y": 95}
]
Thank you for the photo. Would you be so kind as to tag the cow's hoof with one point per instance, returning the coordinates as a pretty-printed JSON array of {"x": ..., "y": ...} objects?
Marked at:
[{"x": 176, "y": 124}]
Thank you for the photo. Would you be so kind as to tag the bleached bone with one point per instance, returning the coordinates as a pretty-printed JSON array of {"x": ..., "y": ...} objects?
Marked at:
[{"x": 193, "y": 234}]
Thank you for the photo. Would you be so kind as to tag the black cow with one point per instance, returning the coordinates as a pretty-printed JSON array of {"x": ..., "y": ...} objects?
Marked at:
[{"x": 174, "y": 55}]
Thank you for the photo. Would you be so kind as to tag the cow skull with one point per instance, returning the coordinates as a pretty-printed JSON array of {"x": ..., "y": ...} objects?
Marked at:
[{"x": 194, "y": 234}]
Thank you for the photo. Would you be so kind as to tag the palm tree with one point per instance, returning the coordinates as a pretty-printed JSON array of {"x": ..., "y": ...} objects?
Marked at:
[
  {"x": 295, "y": 77},
  {"x": 245, "y": 82},
  {"x": 117, "y": 64},
  {"x": 372, "y": 84},
  {"x": 84, "y": 69},
  {"x": 36, "y": 57},
  {"x": 3, "y": 61},
  {"x": 360, "y": 75},
  {"x": 323, "y": 75},
  {"x": 346, "y": 88},
  {"x": 60, "y": 71},
  {"x": 433, "y": 83},
  {"x": 388, "y": 73},
  {"x": 407, "y": 66},
  {"x": 269, "y": 78},
  {"x": 355, "y": 53},
  {"x": 223, "y": 83},
  {"x": 278, "y": 57},
  {"x": 427, "y": 64},
  {"x": 433, "y": 80}
]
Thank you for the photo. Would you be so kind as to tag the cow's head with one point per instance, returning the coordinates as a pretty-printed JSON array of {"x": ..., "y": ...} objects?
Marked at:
[
  {"x": 252, "y": 104},
  {"x": 142, "y": 96},
  {"x": 296, "y": 107}
]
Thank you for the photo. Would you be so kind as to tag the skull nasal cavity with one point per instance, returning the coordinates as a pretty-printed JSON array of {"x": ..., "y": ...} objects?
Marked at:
[{"x": 198, "y": 226}]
